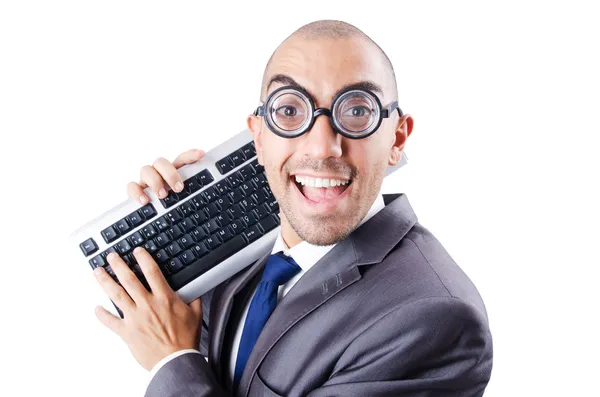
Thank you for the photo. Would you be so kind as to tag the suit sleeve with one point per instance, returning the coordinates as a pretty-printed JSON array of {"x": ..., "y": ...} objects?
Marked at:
[{"x": 438, "y": 347}]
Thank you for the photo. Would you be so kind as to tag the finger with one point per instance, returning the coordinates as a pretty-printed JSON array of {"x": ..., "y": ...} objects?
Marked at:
[
  {"x": 128, "y": 280},
  {"x": 152, "y": 178},
  {"x": 111, "y": 322},
  {"x": 115, "y": 292},
  {"x": 169, "y": 173},
  {"x": 136, "y": 192},
  {"x": 191, "y": 156},
  {"x": 196, "y": 306},
  {"x": 156, "y": 280}
]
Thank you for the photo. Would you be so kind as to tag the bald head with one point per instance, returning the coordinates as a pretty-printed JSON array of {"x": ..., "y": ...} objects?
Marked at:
[{"x": 332, "y": 30}]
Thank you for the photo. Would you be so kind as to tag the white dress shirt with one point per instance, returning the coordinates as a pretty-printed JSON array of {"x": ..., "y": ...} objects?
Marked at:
[{"x": 305, "y": 255}]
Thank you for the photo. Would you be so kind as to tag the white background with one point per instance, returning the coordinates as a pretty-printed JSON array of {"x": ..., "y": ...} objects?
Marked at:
[{"x": 502, "y": 165}]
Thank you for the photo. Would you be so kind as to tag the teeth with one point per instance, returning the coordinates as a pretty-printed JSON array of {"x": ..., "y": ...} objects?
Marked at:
[{"x": 320, "y": 182}]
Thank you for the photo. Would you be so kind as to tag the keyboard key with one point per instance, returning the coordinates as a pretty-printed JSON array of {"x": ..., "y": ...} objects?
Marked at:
[
  {"x": 223, "y": 219},
  {"x": 199, "y": 234},
  {"x": 109, "y": 234},
  {"x": 97, "y": 261},
  {"x": 161, "y": 256},
  {"x": 109, "y": 251},
  {"x": 211, "y": 226},
  {"x": 249, "y": 219},
  {"x": 268, "y": 223},
  {"x": 224, "y": 166},
  {"x": 187, "y": 257},
  {"x": 248, "y": 187},
  {"x": 213, "y": 210},
  {"x": 204, "y": 177},
  {"x": 122, "y": 226},
  {"x": 200, "y": 217},
  {"x": 236, "y": 226},
  {"x": 123, "y": 247},
  {"x": 174, "y": 265},
  {"x": 235, "y": 211},
  {"x": 210, "y": 195},
  {"x": 262, "y": 211},
  {"x": 174, "y": 248},
  {"x": 149, "y": 232},
  {"x": 198, "y": 202},
  {"x": 234, "y": 180},
  {"x": 162, "y": 239},
  {"x": 186, "y": 241},
  {"x": 273, "y": 205},
  {"x": 248, "y": 151},
  {"x": 174, "y": 216},
  {"x": 246, "y": 172},
  {"x": 213, "y": 241},
  {"x": 236, "y": 195},
  {"x": 161, "y": 224},
  {"x": 88, "y": 246},
  {"x": 187, "y": 208},
  {"x": 174, "y": 232},
  {"x": 135, "y": 219},
  {"x": 201, "y": 265},
  {"x": 223, "y": 188},
  {"x": 225, "y": 234},
  {"x": 170, "y": 200},
  {"x": 252, "y": 233},
  {"x": 199, "y": 250},
  {"x": 136, "y": 239},
  {"x": 223, "y": 202},
  {"x": 151, "y": 246},
  {"x": 188, "y": 224},
  {"x": 147, "y": 211},
  {"x": 236, "y": 159}
]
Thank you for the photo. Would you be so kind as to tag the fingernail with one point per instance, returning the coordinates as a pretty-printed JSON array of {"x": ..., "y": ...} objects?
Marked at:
[
  {"x": 97, "y": 271},
  {"x": 201, "y": 152},
  {"x": 162, "y": 193},
  {"x": 111, "y": 256},
  {"x": 179, "y": 186},
  {"x": 137, "y": 250},
  {"x": 143, "y": 199}
]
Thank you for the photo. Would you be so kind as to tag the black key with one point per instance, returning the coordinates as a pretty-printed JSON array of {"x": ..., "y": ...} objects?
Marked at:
[
  {"x": 174, "y": 216},
  {"x": 199, "y": 250},
  {"x": 161, "y": 224},
  {"x": 259, "y": 180},
  {"x": 198, "y": 202},
  {"x": 161, "y": 256},
  {"x": 136, "y": 239},
  {"x": 109, "y": 234},
  {"x": 122, "y": 226},
  {"x": 204, "y": 177},
  {"x": 109, "y": 251},
  {"x": 135, "y": 219},
  {"x": 212, "y": 225},
  {"x": 223, "y": 202},
  {"x": 268, "y": 223},
  {"x": 210, "y": 194},
  {"x": 213, "y": 241},
  {"x": 184, "y": 193},
  {"x": 129, "y": 259},
  {"x": 199, "y": 234},
  {"x": 170, "y": 200},
  {"x": 223, "y": 219},
  {"x": 236, "y": 195},
  {"x": 201, "y": 265},
  {"x": 222, "y": 187},
  {"x": 149, "y": 232},
  {"x": 187, "y": 208},
  {"x": 236, "y": 226},
  {"x": 174, "y": 248},
  {"x": 88, "y": 246},
  {"x": 235, "y": 211},
  {"x": 186, "y": 241},
  {"x": 247, "y": 172},
  {"x": 225, "y": 234},
  {"x": 224, "y": 166},
  {"x": 257, "y": 167},
  {"x": 97, "y": 261},
  {"x": 273, "y": 205},
  {"x": 262, "y": 195},
  {"x": 234, "y": 180},
  {"x": 248, "y": 151},
  {"x": 248, "y": 187},
  {"x": 162, "y": 239},
  {"x": 192, "y": 185},
  {"x": 151, "y": 246},
  {"x": 188, "y": 224},
  {"x": 187, "y": 257},
  {"x": 199, "y": 217},
  {"x": 262, "y": 211},
  {"x": 174, "y": 265},
  {"x": 246, "y": 205},
  {"x": 252, "y": 233},
  {"x": 213, "y": 209},
  {"x": 123, "y": 247},
  {"x": 236, "y": 159},
  {"x": 147, "y": 211},
  {"x": 174, "y": 232},
  {"x": 249, "y": 219}
]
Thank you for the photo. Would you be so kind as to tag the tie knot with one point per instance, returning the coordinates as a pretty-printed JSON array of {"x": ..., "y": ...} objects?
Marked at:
[{"x": 280, "y": 269}]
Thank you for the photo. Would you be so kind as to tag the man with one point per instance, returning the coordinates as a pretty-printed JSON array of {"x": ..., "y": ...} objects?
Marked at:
[{"x": 356, "y": 298}]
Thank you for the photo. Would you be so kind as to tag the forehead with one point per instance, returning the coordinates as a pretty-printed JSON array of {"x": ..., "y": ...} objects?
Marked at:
[{"x": 324, "y": 66}]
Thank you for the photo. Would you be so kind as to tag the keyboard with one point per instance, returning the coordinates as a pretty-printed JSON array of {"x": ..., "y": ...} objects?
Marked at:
[{"x": 224, "y": 219}]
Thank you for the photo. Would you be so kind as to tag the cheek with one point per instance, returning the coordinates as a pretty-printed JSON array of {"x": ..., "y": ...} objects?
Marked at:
[{"x": 275, "y": 153}]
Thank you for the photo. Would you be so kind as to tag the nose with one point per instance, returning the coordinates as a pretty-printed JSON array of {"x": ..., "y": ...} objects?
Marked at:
[{"x": 322, "y": 141}]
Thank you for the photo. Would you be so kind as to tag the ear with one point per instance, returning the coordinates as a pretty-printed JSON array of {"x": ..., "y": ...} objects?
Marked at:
[
  {"x": 403, "y": 131},
  {"x": 255, "y": 126}
]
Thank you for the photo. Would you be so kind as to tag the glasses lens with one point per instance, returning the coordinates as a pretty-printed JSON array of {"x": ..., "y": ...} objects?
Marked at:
[
  {"x": 356, "y": 113},
  {"x": 289, "y": 112}
]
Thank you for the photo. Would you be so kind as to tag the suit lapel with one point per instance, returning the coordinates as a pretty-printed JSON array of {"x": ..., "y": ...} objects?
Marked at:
[{"x": 337, "y": 270}]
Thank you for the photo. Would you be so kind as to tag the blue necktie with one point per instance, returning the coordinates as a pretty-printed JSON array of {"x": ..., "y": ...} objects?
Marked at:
[{"x": 278, "y": 270}]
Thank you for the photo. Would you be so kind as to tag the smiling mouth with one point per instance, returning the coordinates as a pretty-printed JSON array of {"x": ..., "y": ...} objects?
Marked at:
[{"x": 320, "y": 189}]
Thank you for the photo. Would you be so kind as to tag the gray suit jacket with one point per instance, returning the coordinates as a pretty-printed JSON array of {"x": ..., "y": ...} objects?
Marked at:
[{"x": 386, "y": 312}]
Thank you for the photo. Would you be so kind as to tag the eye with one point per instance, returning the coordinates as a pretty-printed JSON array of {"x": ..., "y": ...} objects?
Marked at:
[
  {"x": 287, "y": 111},
  {"x": 358, "y": 111}
]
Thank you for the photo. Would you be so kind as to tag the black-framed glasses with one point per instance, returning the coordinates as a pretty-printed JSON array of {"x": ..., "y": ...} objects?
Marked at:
[{"x": 355, "y": 113}]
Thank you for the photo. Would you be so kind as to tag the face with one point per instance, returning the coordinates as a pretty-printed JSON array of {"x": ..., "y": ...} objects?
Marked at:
[{"x": 325, "y": 183}]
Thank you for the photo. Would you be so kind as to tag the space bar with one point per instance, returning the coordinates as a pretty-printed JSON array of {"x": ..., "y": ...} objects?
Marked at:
[{"x": 201, "y": 265}]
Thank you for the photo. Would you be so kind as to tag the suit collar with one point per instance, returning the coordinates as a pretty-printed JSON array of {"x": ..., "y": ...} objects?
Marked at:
[{"x": 335, "y": 271}]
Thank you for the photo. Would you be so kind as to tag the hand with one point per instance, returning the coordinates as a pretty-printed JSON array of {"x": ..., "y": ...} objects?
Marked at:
[
  {"x": 156, "y": 323},
  {"x": 160, "y": 171}
]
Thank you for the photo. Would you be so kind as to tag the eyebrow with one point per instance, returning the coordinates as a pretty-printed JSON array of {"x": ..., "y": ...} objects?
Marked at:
[{"x": 287, "y": 80}]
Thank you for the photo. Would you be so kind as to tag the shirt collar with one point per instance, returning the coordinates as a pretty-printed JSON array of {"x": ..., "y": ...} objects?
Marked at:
[{"x": 306, "y": 254}]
